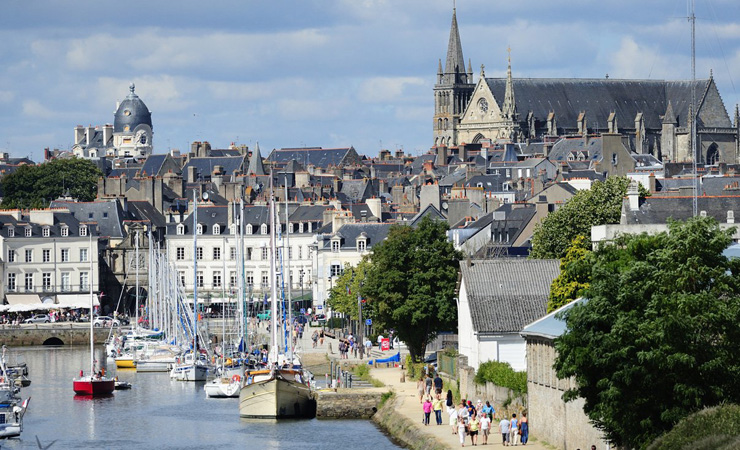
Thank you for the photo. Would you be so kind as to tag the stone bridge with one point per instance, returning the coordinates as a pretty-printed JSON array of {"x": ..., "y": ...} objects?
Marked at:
[{"x": 64, "y": 333}]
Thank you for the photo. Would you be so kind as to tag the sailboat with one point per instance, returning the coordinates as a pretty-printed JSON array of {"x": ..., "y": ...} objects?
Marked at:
[
  {"x": 280, "y": 390},
  {"x": 12, "y": 409},
  {"x": 93, "y": 383}
]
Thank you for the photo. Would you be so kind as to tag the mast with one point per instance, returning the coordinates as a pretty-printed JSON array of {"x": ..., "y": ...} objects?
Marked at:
[
  {"x": 287, "y": 271},
  {"x": 273, "y": 280},
  {"x": 195, "y": 273},
  {"x": 136, "y": 255},
  {"x": 92, "y": 304},
  {"x": 223, "y": 309},
  {"x": 693, "y": 114}
]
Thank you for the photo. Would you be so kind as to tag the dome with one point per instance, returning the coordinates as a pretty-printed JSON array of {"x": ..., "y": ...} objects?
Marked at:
[{"x": 131, "y": 113}]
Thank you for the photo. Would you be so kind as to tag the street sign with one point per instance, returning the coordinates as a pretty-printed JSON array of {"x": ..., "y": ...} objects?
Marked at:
[
  {"x": 385, "y": 344},
  {"x": 369, "y": 322},
  {"x": 319, "y": 307},
  {"x": 303, "y": 310}
]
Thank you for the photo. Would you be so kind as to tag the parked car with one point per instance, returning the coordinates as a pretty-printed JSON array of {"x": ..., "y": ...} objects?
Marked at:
[
  {"x": 106, "y": 321},
  {"x": 320, "y": 318},
  {"x": 38, "y": 318}
]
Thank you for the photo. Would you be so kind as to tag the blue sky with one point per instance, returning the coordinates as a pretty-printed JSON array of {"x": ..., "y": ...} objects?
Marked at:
[{"x": 329, "y": 73}]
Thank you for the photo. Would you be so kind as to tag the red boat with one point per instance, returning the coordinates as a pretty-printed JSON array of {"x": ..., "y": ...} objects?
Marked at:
[{"x": 94, "y": 386}]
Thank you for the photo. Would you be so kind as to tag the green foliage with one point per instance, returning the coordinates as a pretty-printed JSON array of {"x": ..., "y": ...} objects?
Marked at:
[
  {"x": 334, "y": 322},
  {"x": 343, "y": 296},
  {"x": 575, "y": 273},
  {"x": 36, "y": 186},
  {"x": 384, "y": 397},
  {"x": 716, "y": 428},
  {"x": 362, "y": 371},
  {"x": 658, "y": 337},
  {"x": 600, "y": 205},
  {"x": 410, "y": 285},
  {"x": 450, "y": 351},
  {"x": 501, "y": 374},
  {"x": 414, "y": 370}
]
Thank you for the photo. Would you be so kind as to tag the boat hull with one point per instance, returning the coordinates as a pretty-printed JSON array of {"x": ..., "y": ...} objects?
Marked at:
[
  {"x": 8, "y": 430},
  {"x": 276, "y": 398},
  {"x": 125, "y": 363},
  {"x": 93, "y": 387},
  {"x": 189, "y": 372},
  {"x": 154, "y": 366},
  {"x": 222, "y": 388}
]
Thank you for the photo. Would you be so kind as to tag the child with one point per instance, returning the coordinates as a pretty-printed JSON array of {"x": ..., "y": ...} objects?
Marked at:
[
  {"x": 427, "y": 408},
  {"x": 461, "y": 430}
]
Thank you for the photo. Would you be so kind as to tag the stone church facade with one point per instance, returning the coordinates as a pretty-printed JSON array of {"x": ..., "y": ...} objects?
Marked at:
[{"x": 653, "y": 116}]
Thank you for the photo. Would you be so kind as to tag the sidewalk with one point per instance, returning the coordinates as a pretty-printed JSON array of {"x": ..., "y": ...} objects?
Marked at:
[{"x": 409, "y": 406}]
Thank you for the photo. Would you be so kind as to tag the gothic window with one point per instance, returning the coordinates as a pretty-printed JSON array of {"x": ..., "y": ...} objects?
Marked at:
[
  {"x": 446, "y": 124},
  {"x": 713, "y": 155},
  {"x": 439, "y": 124}
]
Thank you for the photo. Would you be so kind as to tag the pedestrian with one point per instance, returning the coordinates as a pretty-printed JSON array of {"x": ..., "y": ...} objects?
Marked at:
[
  {"x": 321, "y": 337},
  {"x": 524, "y": 429},
  {"x": 514, "y": 432},
  {"x": 437, "y": 407},
  {"x": 428, "y": 384},
  {"x": 488, "y": 410},
  {"x": 485, "y": 427},
  {"x": 420, "y": 388},
  {"x": 315, "y": 337},
  {"x": 504, "y": 426},
  {"x": 427, "y": 408},
  {"x": 450, "y": 403},
  {"x": 593, "y": 447},
  {"x": 473, "y": 427},
  {"x": 438, "y": 383},
  {"x": 462, "y": 412},
  {"x": 461, "y": 427},
  {"x": 452, "y": 411},
  {"x": 471, "y": 408},
  {"x": 390, "y": 337}
]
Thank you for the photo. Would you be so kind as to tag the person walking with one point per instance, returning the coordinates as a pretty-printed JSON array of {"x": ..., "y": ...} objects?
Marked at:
[
  {"x": 485, "y": 427},
  {"x": 452, "y": 411},
  {"x": 420, "y": 388},
  {"x": 437, "y": 407},
  {"x": 315, "y": 338},
  {"x": 427, "y": 408},
  {"x": 462, "y": 412},
  {"x": 514, "y": 432},
  {"x": 461, "y": 427},
  {"x": 438, "y": 384},
  {"x": 473, "y": 428},
  {"x": 428, "y": 384},
  {"x": 504, "y": 426},
  {"x": 488, "y": 410},
  {"x": 524, "y": 427}
]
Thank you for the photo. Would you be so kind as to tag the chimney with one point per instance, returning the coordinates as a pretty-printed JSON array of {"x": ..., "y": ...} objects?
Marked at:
[
  {"x": 107, "y": 133},
  {"x": 175, "y": 153},
  {"x": 441, "y": 159},
  {"x": 79, "y": 134},
  {"x": 633, "y": 196},
  {"x": 651, "y": 182},
  {"x": 192, "y": 173},
  {"x": 89, "y": 132},
  {"x": 399, "y": 153},
  {"x": 375, "y": 208}
]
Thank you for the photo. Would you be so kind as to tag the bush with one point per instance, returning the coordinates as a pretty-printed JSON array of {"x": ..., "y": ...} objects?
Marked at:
[
  {"x": 450, "y": 351},
  {"x": 334, "y": 322},
  {"x": 716, "y": 428},
  {"x": 501, "y": 374}
]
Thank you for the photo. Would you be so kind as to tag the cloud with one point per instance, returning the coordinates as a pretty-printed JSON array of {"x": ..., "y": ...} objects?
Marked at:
[
  {"x": 34, "y": 108},
  {"x": 6, "y": 96},
  {"x": 633, "y": 60},
  {"x": 387, "y": 89}
]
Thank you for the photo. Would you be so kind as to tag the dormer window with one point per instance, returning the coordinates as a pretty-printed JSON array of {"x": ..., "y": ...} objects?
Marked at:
[
  {"x": 217, "y": 229},
  {"x": 249, "y": 228},
  {"x": 232, "y": 228},
  {"x": 65, "y": 231},
  {"x": 45, "y": 232},
  {"x": 83, "y": 230},
  {"x": 290, "y": 228},
  {"x": 309, "y": 227},
  {"x": 300, "y": 227},
  {"x": 181, "y": 229},
  {"x": 11, "y": 232},
  {"x": 199, "y": 229},
  {"x": 263, "y": 228},
  {"x": 361, "y": 245},
  {"x": 336, "y": 244},
  {"x": 28, "y": 231}
]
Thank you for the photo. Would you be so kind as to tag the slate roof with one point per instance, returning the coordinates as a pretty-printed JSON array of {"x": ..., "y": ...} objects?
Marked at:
[
  {"x": 316, "y": 156},
  {"x": 142, "y": 210},
  {"x": 657, "y": 209},
  {"x": 489, "y": 183},
  {"x": 309, "y": 213},
  {"x": 586, "y": 173},
  {"x": 568, "y": 97},
  {"x": 430, "y": 211},
  {"x": 375, "y": 233},
  {"x": 729, "y": 185},
  {"x": 153, "y": 165},
  {"x": 205, "y": 166},
  {"x": 108, "y": 215},
  {"x": 576, "y": 148},
  {"x": 506, "y": 294},
  {"x": 208, "y": 216}
]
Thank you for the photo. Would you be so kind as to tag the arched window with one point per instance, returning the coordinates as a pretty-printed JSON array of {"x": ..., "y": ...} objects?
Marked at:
[
  {"x": 446, "y": 124},
  {"x": 713, "y": 155},
  {"x": 199, "y": 229},
  {"x": 181, "y": 229},
  {"x": 439, "y": 124},
  {"x": 249, "y": 229},
  {"x": 217, "y": 229},
  {"x": 263, "y": 228}
]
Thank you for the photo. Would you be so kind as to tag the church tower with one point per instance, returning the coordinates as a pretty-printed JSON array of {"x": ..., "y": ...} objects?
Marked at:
[{"x": 453, "y": 90}]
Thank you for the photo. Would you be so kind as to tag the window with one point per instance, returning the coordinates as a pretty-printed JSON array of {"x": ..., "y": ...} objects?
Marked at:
[
  {"x": 232, "y": 279},
  {"x": 90, "y": 216},
  {"x": 249, "y": 229},
  {"x": 232, "y": 253},
  {"x": 11, "y": 282},
  {"x": 309, "y": 226},
  {"x": 265, "y": 280},
  {"x": 11, "y": 232},
  {"x": 614, "y": 159},
  {"x": 335, "y": 245},
  {"x": 83, "y": 230},
  {"x": 263, "y": 228},
  {"x": 45, "y": 255},
  {"x": 65, "y": 255},
  {"x": 216, "y": 253},
  {"x": 199, "y": 279},
  {"x": 29, "y": 231},
  {"x": 29, "y": 282},
  {"x": 46, "y": 281},
  {"x": 300, "y": 227},
  {"x": 84, "y": 281},
  {"x": 250, "y": 279},
  {"x": 232, "y": 229},
  {"x": 248, "y": 257},
  {"x": 180, "y": 253},
  {"x": 291, "y": 229},
  {"x": 508, "y": 173},
  {"x": 290, "y": 252},
  {"x": 336, "y": 270},
  {"x": 29, "y": 255},
  {"x": 105, "y": 215},
  {"x": 83, "y": 255},
  {"x": 45, "y": 232},
  {"x": 66, "y": 281},
  {"x": 529, "y": 173},
  {"x": 217, "y": 229},
  {"x": 300, "y": 251},
  {"x": 217, "y": 279},
  {"x": 182, "y": 277},
  {"x": 65, "y": 231},
  {"x": 11, "y": 255},
  {"x": 181, "y": 229},
  {"x": 264, "y": 253},
  {"x": 199, "y": 229},
  {"x": 519, "y": 171},
  {"x": 199, "y": 253},
  {"x": 361, "y": 245}
]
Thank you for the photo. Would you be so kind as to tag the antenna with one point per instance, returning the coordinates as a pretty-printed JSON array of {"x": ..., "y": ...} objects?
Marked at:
[{"x": 693, "y": 114}]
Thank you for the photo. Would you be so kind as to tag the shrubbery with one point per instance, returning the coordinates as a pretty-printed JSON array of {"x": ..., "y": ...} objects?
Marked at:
[
  {"x": 501, "y": 374},
  {"x": 716, "y": 428}
]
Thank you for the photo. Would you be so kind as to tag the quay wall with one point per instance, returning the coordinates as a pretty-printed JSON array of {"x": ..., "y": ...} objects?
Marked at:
[
  {"x": 51, "y": 334},
  {"x": 347, "y": 404},
  {"x": 401, "y": 429}
]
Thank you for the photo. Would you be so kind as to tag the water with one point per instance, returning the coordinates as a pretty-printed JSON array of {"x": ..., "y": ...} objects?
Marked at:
[{"x": 159, "y": 414}]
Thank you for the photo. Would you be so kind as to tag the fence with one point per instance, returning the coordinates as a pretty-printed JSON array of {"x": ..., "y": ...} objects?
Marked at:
[{"x": 447, "y": 364}]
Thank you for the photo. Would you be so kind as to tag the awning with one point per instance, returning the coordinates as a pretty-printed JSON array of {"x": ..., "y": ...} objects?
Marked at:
[
  {"x": 74, "y": 301},
  {"x": 24, "y": 302}
]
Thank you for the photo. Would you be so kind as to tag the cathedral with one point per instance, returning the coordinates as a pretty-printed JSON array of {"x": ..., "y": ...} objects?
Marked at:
[{"x": 652, "y": 116}]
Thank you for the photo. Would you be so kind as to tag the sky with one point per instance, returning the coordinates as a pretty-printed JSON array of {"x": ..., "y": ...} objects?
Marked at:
[{"x": 328, "y": 73}]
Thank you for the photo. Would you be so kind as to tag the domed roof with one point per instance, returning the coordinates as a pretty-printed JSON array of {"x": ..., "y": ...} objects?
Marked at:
[{"x": 131, "y": 113}]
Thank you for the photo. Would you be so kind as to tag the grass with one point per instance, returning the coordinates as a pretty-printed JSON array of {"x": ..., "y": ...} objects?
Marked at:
[
  {"x": 362, "y": 372},
  {"x": 384, "y": 398}
]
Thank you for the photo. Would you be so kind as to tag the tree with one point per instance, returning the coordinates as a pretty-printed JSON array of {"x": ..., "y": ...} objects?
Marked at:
[
  {"x": 343, "y": 296},
  {"x": 36, "y": 186},
  {"x": 658, "y": 337},
  {"x": 411, "y": 282},
  {"x": 600, "y": 205},
  {"x": 575, "y": 274}
]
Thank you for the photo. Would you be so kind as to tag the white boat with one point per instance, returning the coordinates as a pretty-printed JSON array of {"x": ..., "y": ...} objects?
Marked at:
[
  {"x": 12, "y": 408},
  {"x": 222, "y": 387},
  {"x": 280, "y": 391},
  {"x": 190, "y": 370}
]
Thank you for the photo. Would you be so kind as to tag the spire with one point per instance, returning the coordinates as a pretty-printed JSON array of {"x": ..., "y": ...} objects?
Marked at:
[
  {"x": 737, "y": 116},
  {"x": 470, "y": 71},
  {"x": 255, "y": 162},
  {"x": 455, "y": 64},
  {"x": 439, "y": 69},
  {"x": 509, "y": 108},
  {"x": 670, "y": 116}
]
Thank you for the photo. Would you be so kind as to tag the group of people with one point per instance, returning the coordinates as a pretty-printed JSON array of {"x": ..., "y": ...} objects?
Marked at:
[{"x": 514, "y": 431}]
